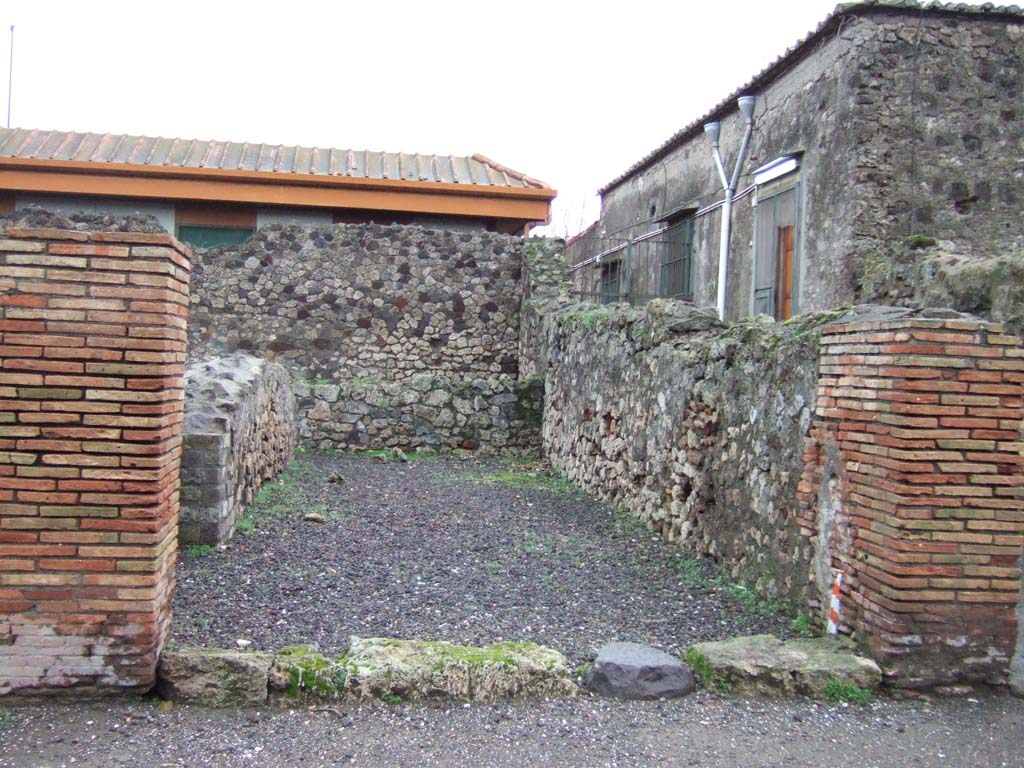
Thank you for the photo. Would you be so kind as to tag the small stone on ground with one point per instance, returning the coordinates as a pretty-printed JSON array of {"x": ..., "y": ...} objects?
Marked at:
[{"x": 635, "y": 671}]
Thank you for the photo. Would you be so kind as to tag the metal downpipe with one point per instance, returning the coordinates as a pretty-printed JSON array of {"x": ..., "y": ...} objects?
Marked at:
[
  {"x": 746, "y": 106},
  {"x": 723, "y": 252}
]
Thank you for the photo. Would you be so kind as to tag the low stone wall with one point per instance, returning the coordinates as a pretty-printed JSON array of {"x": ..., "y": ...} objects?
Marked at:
[
  {"x": 695, "y": 428},
  {"x": 426, "y": 412},
  {"x": 897, "y": 467},
  {"x": 240, "y": 430}
]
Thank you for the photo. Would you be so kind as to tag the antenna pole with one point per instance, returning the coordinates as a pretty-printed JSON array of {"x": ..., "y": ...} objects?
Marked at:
[{"x": 10, "y": 78}]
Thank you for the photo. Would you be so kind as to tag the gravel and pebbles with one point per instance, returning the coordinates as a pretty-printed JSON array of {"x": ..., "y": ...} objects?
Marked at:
[
  {"x": 701, "y": 730},
  {"x": 478, "y": 551},
  {"x": 471, "y": 551}
]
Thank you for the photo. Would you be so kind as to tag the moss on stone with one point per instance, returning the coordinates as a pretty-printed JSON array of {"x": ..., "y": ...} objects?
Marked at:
[
  {"x": 589, "y": 318},
  {"x": 418, "y": 669},
  {"x": 921, "y": 241},
  {"x": 875, "y": 275},
  {"x": 309, "y": 671}
]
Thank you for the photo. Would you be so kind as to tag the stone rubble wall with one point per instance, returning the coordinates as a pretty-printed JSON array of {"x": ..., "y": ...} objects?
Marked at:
[
  {"x": 427, "y": 412},
  {"x": 936, "y": 145},
  {"x": 240, "y": 430},
  {"x": 545, "y": 291},
  {"x": 91, "y": 381},
  {"x": 394, "y": 336},
  {"x": 693, "y": 427},
  {"x": 881, "y": 443}
]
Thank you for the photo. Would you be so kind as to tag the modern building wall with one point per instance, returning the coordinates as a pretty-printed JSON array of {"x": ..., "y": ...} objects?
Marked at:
[{"x": 905, "y": 122}]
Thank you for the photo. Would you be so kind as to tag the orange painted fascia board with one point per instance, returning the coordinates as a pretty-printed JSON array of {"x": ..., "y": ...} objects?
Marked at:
[
  {"x": 291, "y": 189},
  {"x": 205, "y": 215}
]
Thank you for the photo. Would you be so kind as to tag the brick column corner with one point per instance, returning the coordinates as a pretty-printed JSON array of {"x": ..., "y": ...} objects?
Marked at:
[
  {"x": 913, "y": 491},
  {"x": 92, "y": 354}
]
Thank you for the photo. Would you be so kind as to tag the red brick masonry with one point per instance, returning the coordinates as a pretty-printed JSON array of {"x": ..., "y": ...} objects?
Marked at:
[
  {"x": 92, "y": 351},
  {"x": 913, "y": 474}
]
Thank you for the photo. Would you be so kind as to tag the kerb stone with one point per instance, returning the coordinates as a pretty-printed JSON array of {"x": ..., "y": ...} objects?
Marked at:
[{"x": 215, "y": 677}]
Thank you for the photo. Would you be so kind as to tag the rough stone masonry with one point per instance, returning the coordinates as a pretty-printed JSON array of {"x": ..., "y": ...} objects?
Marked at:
[
  {"x": 883, "y": 445},
  {"x": 393, "y": 336},
  {"x": 239, "y": 432}
]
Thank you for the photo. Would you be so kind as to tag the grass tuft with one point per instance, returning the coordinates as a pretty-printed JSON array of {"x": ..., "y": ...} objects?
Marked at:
[
  {"x": 280, "y": 496},
  {"x": 846, "y": 693},
  {"x": 802, "y": 624},
  {"x": 700, "y": 664},
  {"x": 529, "y": 479}
]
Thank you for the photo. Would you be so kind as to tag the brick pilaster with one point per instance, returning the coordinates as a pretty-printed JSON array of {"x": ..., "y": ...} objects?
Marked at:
[
  {"x": 917, "y": 433},
  {"x": 92, "y": 352}
]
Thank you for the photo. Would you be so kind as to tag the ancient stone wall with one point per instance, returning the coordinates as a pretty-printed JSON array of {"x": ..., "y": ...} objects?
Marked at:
[
  {"x": 240, "y": 430},
  {"x": 694, "y": 427},
  {"x": 913, "y": 492},
  {"x": 93, "y": 352},
  {"x": 897, "y": 466},
  {"x": 393, "y": 336},
  {"x": 545, "y": 291},
  {"x": 938, "y": 143},
  {"x": 362, "y": 300},
  {"x": 426, "y": 412}
]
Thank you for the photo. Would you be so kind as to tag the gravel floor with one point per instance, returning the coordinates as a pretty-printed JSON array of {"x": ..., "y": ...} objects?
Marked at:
[
  {"x": 429, "y": 549},
  {"x": 701, "y": 730},
  {"x": 462, "y": 550}
]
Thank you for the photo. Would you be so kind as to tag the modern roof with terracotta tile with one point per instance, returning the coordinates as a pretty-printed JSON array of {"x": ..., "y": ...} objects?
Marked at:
[{"x": 110, "y": 148}]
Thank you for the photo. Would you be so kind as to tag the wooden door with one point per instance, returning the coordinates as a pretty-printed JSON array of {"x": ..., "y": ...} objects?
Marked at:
[{"x": 784, "y": 272}]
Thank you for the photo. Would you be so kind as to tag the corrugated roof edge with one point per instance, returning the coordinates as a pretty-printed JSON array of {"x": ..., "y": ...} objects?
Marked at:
[
  {"x": 28, "y": 143},
  {"x": 528, "y": 180},
  {"x": 797, "y": 52}
]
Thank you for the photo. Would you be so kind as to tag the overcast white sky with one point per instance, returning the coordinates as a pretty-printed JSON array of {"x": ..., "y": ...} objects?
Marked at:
[{"x": 570, "y": 93}]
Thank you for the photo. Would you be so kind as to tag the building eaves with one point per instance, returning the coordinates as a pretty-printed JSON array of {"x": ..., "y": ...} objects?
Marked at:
[
  {"x": 43, "y": 145},
  {"x": 797, "y": 52}
]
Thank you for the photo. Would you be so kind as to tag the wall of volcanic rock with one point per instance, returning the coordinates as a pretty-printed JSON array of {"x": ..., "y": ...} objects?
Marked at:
[{"x": 394, "y": 336}]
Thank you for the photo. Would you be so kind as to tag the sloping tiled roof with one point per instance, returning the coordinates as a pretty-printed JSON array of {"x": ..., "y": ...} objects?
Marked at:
[
  {"x": 237, "y": 156},
  {"x": 798, "y": 51}
]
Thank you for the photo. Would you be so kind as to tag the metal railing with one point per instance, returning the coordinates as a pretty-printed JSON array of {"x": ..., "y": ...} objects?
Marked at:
[{"x": 654, "y": 264}]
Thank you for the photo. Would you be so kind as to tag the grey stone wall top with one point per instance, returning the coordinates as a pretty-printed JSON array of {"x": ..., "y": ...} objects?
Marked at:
[
  {"x": 82, "y": 222},
  {"x": 212, "y": 389}
]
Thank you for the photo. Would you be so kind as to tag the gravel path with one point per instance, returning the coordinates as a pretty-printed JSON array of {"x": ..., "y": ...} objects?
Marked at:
[
  {"x": 701, "y": 730},
  {"x": 463, "y": 550},
  {"x": 473, "y": 551}
]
